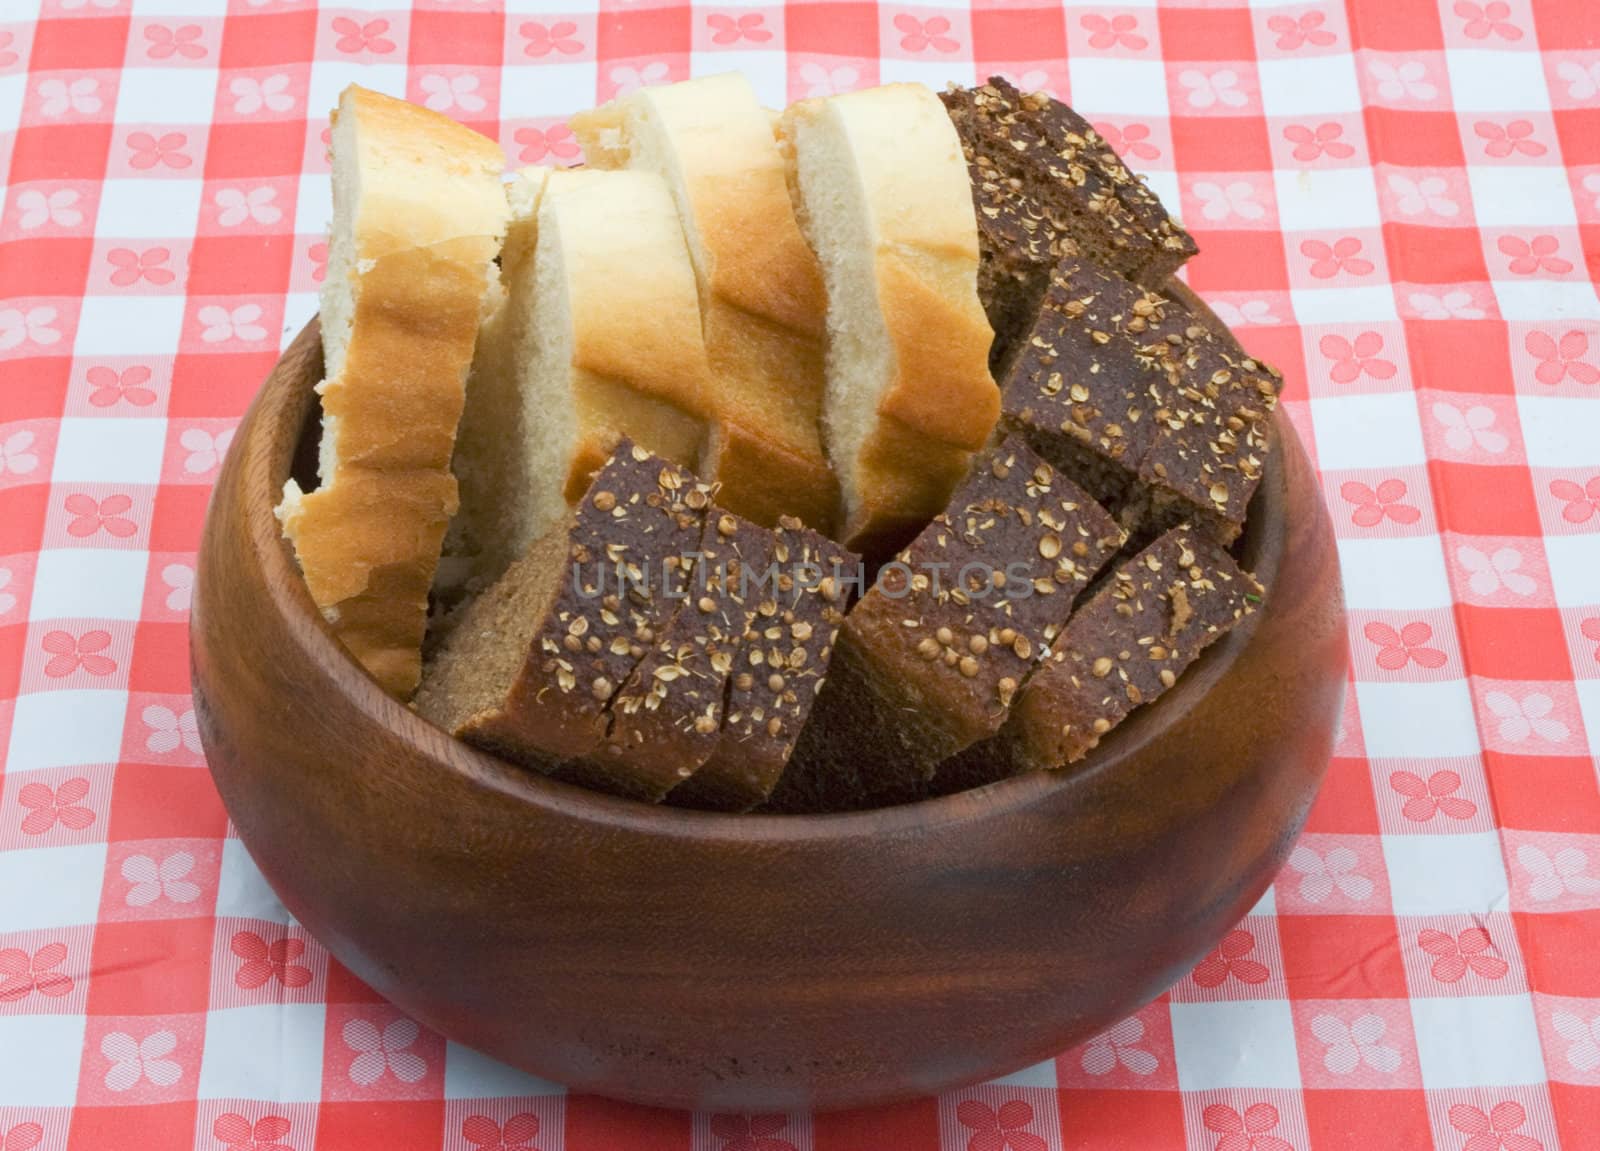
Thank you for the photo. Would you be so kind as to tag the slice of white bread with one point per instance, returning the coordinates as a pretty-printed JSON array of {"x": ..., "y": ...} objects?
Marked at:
[
  {"x": 599, "y": 338},
  {"x": 417, "y": 217},
  {"x": 761, "y": 295},
  {"x": 884, "y": 198}
]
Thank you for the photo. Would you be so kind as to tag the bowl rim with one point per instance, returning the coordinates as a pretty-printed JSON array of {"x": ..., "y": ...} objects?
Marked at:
[{"x": 284, "y": 397}]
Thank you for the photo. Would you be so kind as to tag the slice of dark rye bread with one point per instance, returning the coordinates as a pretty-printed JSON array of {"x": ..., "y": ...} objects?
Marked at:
[
  {"x": 664, "y": 721},
  {"x": 529, "y": 667},
  {"x": 668, "y": 721},
  {"x": 1148, "y": 621},
  {"x": 1134, "y": 396},
  {"x": 798, "y": 584},
  {"x": 1046, "y": 185},
  {"x": 931, "y": 658}
]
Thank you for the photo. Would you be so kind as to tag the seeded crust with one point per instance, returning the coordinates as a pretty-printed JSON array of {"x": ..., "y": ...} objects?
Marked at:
[
  {"x": 1047, "y": 185},
  {"x": 1127, "y": 645},
  {"x": 922, "y": 672},
  {"x": 665, "y": 720},
  {"x": 1022, "y": 234},
  {"x": 781, "y": 667},
  {"x": 1133, "y": 395},
  {"x": 548, "y": 706},
  {"x": 1020, "y": 238}
]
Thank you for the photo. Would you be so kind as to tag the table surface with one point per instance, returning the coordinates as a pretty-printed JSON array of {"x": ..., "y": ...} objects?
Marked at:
[{"x": 1398, "y": 202}]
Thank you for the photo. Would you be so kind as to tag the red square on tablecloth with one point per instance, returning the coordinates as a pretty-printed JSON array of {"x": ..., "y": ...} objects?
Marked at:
[
  {"x": 219, "y": 265},
  {"x": 1397, "y": 26},
  {"x": 1589, "y": 236},
  {"x": 453, "y": 36},
  {"x": 59, "y": 152},
  {"x": 391, "y": 1126},
  {"x": 210, "y": 387},
  {"x": 914, "y": 1124},
  {"x": 160, "y": 967},
  {"x": 1566, "y": 25},
  {"x": 36, "y": 388},
  {"x": 74, "y": 45},
  {"x": 267, "y": 149},
  {"x": 52, "y": 267},
  {"x": 161, "y": 1125},
  {"x": 1515, "y": 643},
  {"x": 1364, "y": 1120},
  {"x": 1221, "y": 143},
  {"x": 1559, "y": 952},
  {"x": 1577, "y": 1112},
  {"x": 345, "y": 987},
  {"x": 266, "y": 39},
  {"x": 1345, "y": 804},
  {"x": 179, "y": 517},
  {"x": 831, "y": 29},
  {"x": 1579, "y": 132},
  {"x": 1475, "y": 500},
  {"x": 1462, "y": 355},
  {"x": 1428, "y": 255},
  {"x": 1207, "y": 33},
  {"x": 1094, "y": 1120},
  {"x": 160, "y": 658},
  {"x": 161, "y": 801},
  {"x": 1007, "y": 33},
  {"x": 595, "y": 1124},
  {"x": 1350, "y": 956},
  {"x": 13, "y": 642},
  {"x": 1412, "y": 139},
  {"x": 1544, "y": 793},
  {"x": 1231, "y": 261},
  {"x": 641, "y": 32},
  {"x": 22, "y": 516}
]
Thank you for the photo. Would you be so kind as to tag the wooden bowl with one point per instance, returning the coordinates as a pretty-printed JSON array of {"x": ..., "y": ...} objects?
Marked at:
[{"x": 745, "y": 962}]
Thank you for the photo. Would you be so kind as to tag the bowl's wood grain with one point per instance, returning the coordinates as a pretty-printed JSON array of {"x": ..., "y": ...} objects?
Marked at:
[{"x": 681, "y": 958}]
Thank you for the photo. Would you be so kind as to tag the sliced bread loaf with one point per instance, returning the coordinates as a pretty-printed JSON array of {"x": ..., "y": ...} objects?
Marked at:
[
  {"x": 600, "y": 339},
  {"x": 1130, "y": 393},
  {"x": 418, "y": 215},
  {"x": 1124, "y": 647},
  {"x": 531, "y": 664},
  {"x": 1047, "y": 185},
  {"x": 663, "y": 723},
  {"x": 1034, "y": 154},
  {"x": 796, "y": 580},
  {"x": 883, "y": 198},
  {"x": 930, "y": 660},
  {"x": 762, "y": 303},
  {"x": 492, "y": 443}
]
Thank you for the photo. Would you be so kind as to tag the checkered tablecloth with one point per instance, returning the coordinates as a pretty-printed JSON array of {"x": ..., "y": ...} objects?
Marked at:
[{"x": 1397, "y": 201}]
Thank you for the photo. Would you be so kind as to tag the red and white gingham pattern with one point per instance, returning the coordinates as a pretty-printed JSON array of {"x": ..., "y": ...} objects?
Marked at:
[{"x": 1398, "y": 201}]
